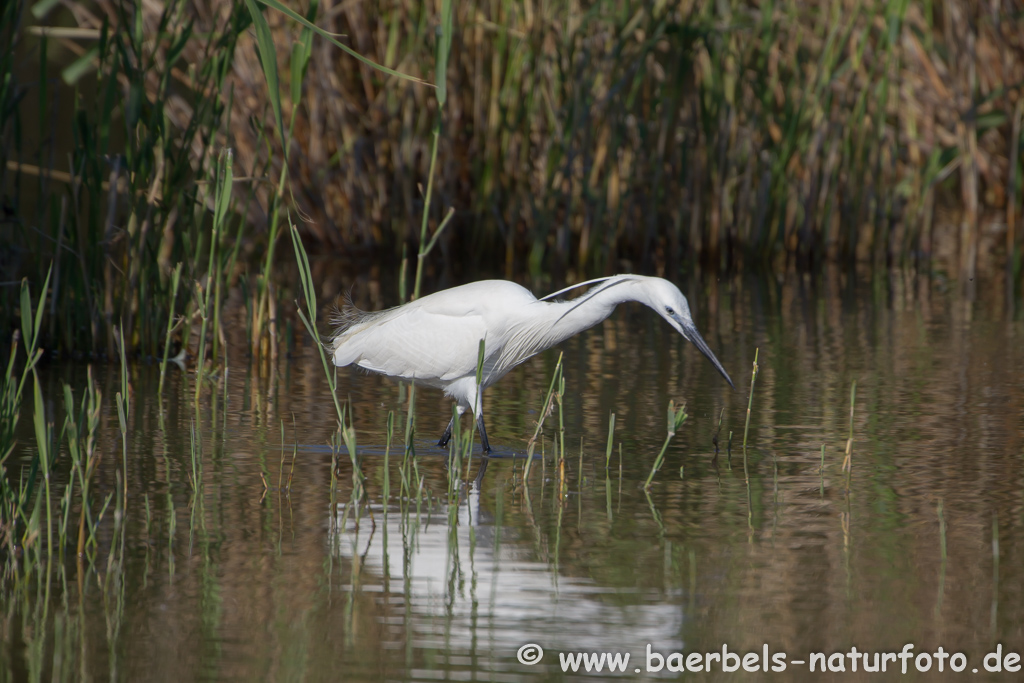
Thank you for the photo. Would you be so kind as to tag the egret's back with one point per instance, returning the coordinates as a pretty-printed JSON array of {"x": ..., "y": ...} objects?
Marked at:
[{"x": 433, "y": 340}]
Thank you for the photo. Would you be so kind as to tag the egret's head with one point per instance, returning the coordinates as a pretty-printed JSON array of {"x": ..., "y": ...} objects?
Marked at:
[{"x": 665, "y": 298}]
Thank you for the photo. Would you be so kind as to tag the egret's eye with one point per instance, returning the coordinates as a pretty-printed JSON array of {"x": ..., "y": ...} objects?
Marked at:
[{"x": 668, "y": 309}]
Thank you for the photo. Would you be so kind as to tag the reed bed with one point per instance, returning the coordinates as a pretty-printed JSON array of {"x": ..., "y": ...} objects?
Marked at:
[
  {"x": 583, "y": 137},
  {"x": 559, "y": 138},
  {"x": 118, "y": 179}
]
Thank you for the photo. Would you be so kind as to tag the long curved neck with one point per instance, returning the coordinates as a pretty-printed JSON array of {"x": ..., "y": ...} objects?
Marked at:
[
  {"x": 543, "y": 324},
  {"x": 568, "y": 318},
  {"x": 546, "y": 324}
]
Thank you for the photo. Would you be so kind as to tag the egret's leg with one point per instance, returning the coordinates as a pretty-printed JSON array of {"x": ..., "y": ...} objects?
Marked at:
[
  {"x": 475, "y": 401},
  {"x": 483, "y": 433},
  {"x": 447, "y": 436}
]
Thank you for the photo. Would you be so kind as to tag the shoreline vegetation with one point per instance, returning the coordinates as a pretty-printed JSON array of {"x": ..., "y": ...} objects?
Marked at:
[{"x": 564, "y": 139}]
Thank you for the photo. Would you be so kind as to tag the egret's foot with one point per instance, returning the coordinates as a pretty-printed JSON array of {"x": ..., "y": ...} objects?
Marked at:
[{"x": 447, "y": 436}]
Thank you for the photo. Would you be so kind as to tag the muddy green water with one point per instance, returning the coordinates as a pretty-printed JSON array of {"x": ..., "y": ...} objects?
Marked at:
[{"x": 266, "y": 574}]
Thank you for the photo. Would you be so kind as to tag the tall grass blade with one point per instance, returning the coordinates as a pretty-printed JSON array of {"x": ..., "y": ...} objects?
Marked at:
[
  {"x": 268, "y": 58},
  {"x": 329, "y": 37}
]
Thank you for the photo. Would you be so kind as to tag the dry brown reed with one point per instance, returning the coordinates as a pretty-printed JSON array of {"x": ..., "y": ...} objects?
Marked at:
[{"x": 590, "y": 136}]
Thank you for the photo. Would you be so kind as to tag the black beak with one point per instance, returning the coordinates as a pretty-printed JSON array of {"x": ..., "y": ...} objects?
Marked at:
[{"x": 689, "y": 331}]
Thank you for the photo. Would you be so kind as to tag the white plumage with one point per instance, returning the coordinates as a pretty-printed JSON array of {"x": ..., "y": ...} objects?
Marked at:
[{"x": 435, "y": 340}]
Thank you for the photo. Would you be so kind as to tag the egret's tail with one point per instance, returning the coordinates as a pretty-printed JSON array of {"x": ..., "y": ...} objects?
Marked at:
[
  {"x": 344, "y": 316},
  {"x": 348, "y": 320}
]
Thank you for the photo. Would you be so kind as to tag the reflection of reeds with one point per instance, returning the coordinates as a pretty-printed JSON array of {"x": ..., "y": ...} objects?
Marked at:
[{"x": 942, "y": 559}]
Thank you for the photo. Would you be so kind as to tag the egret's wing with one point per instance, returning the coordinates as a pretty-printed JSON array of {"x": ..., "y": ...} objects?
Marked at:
[{"x": 413, "y": 342}]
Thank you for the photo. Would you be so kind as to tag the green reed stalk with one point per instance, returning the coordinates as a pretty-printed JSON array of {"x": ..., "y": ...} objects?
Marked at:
[
  {"x": 120, "y": 400},
  {"x": 561, "y": 418},
  {"x": 620, "y": 469},
  {"x": 44, "y": 444},
  {"x": 222, "y": 198},
  {"x": 348, "y": 435},
  {"x": 301, "y": 53},
  {"x": 848, "y": 460},
  {"x": 84, "y": 454},
  {"x": 675, "y": 421},
  {"x": 478, "y": 409},
  {"x": 746, "y": 429},
  {"x": 455, "y": 449},
  {"x": 14, "y": 386},
  {"x": 611, "y": 435},
  {"x": 268, "y": 60},
  {"x": 308, "y": 317},
  {"x": 718, "y": 431},
  {"x": 546, "y": 409},
  {"x": 123, "y": 399},
  {"x": 444, "y": 41},
  {"x": 410, "y": 426},
  {"x": 175, "y": 281},
  {"x": 67, "y": 501},
  {"x": 750, "y": 402},
  {"x": 387, "y": 453},
  {"x": 16, "y": 503},
  {"x": 306, "y": 23},
  {"x": 215, "y": 328},
  {"x": 579, "y": 474}
]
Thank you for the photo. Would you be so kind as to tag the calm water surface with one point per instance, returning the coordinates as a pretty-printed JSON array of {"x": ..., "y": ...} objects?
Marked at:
[{"x": 268, "y": 574}]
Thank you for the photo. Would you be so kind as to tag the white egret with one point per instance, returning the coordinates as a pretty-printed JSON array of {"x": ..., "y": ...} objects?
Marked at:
[{"x": 435, "y": 340}]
